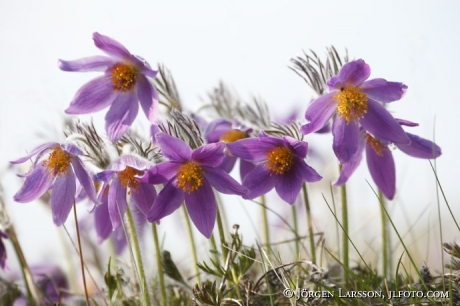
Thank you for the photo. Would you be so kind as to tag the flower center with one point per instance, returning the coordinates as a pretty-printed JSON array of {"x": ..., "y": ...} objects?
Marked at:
[
  {"x": 234, "y": 135},
  {"x": 351, "y": 104},
  {"x": 123, "y": 77},
  {"x": 190, "y": 177},
  {"x": 127, "y": 179},
  {"x": 280, "y": 160},
  {"x": 58, "y": 162},
  {"x": 375, "y": 144}
]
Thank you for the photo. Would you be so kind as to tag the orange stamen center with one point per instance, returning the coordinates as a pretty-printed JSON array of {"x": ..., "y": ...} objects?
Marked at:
[
  {"x": 280, "y": 160},
  {"x": 351, "y": 104},
  {"x": 375, "y": 144},
  {"x": 190, "y": 177},
  {"x": 127, "y": 178},
  {"x": 123, "y": 77},
  {"x": 58, "y": 162},
  {"x": 234, "y": 135}
]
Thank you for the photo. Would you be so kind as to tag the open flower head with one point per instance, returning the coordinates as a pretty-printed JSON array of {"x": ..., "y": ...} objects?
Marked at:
[
  {"x": 380, "y": 159},
  {"x": 59, "y": 169},
  {"x": 189, "y": 176},
  {"x": 120, "y": 181},
  {"x": 123, "y": 84},
  {"x": 281, "y": 165},
  {"x": 356, "y": 102}
]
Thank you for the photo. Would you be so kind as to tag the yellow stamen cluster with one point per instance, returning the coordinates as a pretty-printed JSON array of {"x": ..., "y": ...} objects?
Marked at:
[
  {"x": 190, "y": 177},
  {"x": 375, "y": 144},
  {"x": 351, "y": 104},
  {"x": 58, "y": 162},
  {"x": 234, "y": 135},
  {"x": 280, "y": 160},
  {"x": 123, "y": 77},
  {"x": 127, "y": 179}
]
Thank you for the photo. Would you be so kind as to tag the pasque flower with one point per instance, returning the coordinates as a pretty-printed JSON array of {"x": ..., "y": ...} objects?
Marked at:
[
  {"x": 281, "y": 165},
  {"x": 119, "y": 181},
  {"x": 380, "y": 159},
  {"x": 59, "y": 172},
  {"x": 228, "y": 132},
  {"x": 123, "y": 84},
  {"x": 190, "y": 175},
  {"x": 355, "y": 102}
]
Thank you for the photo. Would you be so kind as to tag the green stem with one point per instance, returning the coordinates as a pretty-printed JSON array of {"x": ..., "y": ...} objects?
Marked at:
[
  {"x": 223, "y": 243},
  {"x": 296, "y": 232},
  {"x": 137, "y": 254},
  {"x": 160, "y": 266},
  {"x": 265, "y": 223},
  {"x": 80, "y": 253},
  {"x": 192, "y": 244},
  {"x": 311, "y": 234},
  {"x": 385, "y": 242},
  {"x": 214, "y": 250},
  {"x": 346, "y": 262}
]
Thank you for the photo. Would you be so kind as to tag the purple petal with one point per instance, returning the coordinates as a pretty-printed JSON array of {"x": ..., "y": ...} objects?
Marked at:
[
  {"x": 349, "y": 168},
  {"x": 35, "y": 184},
  {"x": 288, "y": 187},
  {"x": 121, "y": 115},
  {"x": 209, "y": 155},
  {"x": 173, "y": 148},
  {"x": 381, "y": 124},
  {"x": 304, "y": 172},
  {"x": 111, "y": 46},
  {"x": 132, "y": 161},
  {"x": 117, "y": 202},
  {"x": 93, "y": 63},
  {"x": 161, "y": 173},
  {"x": 250, "y": 149},
  {"x": 346, "y": 138},
  {"x": 202, "y": 208},
  {"x": 383, "y": 91},
  {"x": 223, "y": 182},
  {"x": 406, "y": 122},
  {"x": 351, "y": 74},
  {"x": 102, "y": 218},
  {"x": 144, "y": 196},
  {"x": 300, "y": 147},
  {"x": 95, "y": 95},
  {"x": 85, "y": 179},
  {"x": 105, "y": 175},
  {"x": 216, "y": 129},
  {"x": 168, "y": 200},
  {"x": 228, "y": 163},
  {"x": 37, "y": 150},
  {"x": 63, "y": 196},
  {"x": 274, "y": 141},
  {"x": 259, "y": 181},
  {"x": 382, "y": 169},
  {"x": 319, "y": 112},
  {"x": 420, "y": 147},
  {"x": 70, "y": 148},
  {"x": 149, "y": 72},
  {"x": 245, "y": 168},
  {"x": 148, "y": 98}
]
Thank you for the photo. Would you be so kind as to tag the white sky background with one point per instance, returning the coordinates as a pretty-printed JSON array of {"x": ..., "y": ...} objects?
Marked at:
[{"x": 248, "y": 45}]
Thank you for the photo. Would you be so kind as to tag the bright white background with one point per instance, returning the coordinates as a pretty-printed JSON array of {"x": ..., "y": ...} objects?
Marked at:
[{"x": 247, "y": 44}]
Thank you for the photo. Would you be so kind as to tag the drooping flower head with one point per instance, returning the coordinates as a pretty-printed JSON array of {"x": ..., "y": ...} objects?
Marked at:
[
  {"x": 281, "y": 165},
  {"x": 59, "y": 171},
  {"x": 356, "y": 102},
  {"x": 123, "y": 84},
  {"x": 228, "y": 132},
  {"x": 121, "y": 180},
  {"x": 380, "y": 159},
  {"x": 189, "y": 176}
]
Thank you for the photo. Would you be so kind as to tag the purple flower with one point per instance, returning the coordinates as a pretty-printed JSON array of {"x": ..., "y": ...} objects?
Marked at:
[
  {"x": 190, "y": 175},
  {"x": 119, "y": 181},
  {"x": 60, "y": 171},
  {"x": 3, "y": 257},
  {"x": 281, "y": 165},
  {"x": 355, "y": 102},
  {"x": 380, "y": 159},
  {"x": 123, "y": 84},
  {"x": 224, "y": 130}
]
